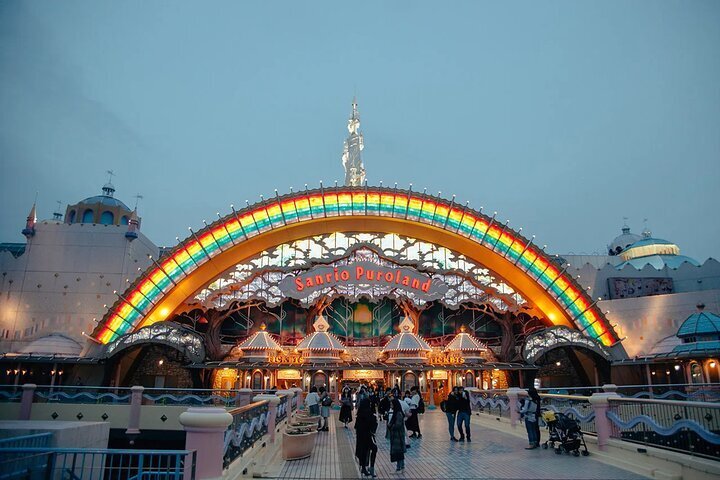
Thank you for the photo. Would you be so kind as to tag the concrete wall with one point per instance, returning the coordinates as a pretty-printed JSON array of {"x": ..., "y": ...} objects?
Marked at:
[{"x": 63, "y": 280}]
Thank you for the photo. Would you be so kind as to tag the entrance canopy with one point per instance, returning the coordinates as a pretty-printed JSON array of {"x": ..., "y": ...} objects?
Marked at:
[{"x": 163, "y": 287}]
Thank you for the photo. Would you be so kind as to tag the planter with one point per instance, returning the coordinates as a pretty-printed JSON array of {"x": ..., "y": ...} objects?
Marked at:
[
  {"x": 298, "y": 445},
  {"x": 301, "y": 419}
]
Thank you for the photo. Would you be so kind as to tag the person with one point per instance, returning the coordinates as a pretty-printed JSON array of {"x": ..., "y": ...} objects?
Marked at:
[
  {"x": 396, "y": 431},
  {"x": 346, "y": 406},
  {"x": 312, "y": 402},
  {"x": 365, "y": 427},
  {"x": 384, "y": 405},
  {"x": 449, "y": 406},
  {"x": 413, "y": 423},
  {"x": 325, "y": 403},
  {"x": 463, "y": 414},
  {"x": 530, "y": 411}
]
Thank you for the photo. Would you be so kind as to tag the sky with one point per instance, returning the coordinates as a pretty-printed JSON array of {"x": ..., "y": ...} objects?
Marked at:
[{"x": 562, "y": 116}]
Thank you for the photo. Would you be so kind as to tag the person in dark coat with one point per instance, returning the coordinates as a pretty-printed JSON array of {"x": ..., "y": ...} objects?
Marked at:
[
  {"x": 396, "y": 431},
  {"x": 365, "y": 427},
  {"x": 346, "y": 406}
]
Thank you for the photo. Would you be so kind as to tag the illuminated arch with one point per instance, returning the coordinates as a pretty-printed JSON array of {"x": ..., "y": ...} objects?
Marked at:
[{"x": 205, "y": 255}]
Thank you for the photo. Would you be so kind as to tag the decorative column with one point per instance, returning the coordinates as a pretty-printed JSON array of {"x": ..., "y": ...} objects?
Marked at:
[
  {"x": 26, "y": 401},
  {"x": 244, "y": 396},
  {"x": 431, "y": 392},
  {"x": 136, "y": 397},
  {"x": 601, "y": 405},
  {"x": 513, "y": 394},
  {"x": 205, "y": 433}
]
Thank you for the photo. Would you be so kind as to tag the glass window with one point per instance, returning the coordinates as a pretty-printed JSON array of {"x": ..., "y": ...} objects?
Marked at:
[
  {"x": 107, "y": 218},
  {"x": 88, "y": 216}
]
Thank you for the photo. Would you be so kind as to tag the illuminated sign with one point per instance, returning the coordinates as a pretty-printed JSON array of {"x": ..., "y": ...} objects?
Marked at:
[
  {"x": 363, "y": 273},
  {"x": 362, "y": 374},
  {"x": 289, "y": 374},
  {"x": 439, "y": 375}
]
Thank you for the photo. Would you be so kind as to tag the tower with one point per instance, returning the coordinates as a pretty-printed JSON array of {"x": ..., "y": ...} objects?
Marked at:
[
  {"x": 29, "y": 230},
  {"x": 351, "y": 158}
]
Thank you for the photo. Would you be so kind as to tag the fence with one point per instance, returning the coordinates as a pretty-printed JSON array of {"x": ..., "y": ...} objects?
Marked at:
[
  {"x": 573, "y": 406},
  {"x": 697, "y": 392},
  {"x": 689, "y": 427},
  {"x": 491, "y": 402},
  {"x": 96, "y": 464},
  {"x": 249, "y": 425},
  {"x": 36, "y": 440}
]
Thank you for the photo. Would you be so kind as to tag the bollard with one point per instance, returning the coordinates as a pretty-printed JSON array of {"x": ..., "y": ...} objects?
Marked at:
[
  {"x": 27, "y": 400},
  {"x": 513, "y": 394},
  {"x": 136, "y": 397},
  {"x": 205, "y": 433},
  {"x": 603, "y": 428}
]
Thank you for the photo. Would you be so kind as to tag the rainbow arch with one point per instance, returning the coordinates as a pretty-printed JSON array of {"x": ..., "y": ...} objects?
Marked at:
[{"x": 154, "y": 294}]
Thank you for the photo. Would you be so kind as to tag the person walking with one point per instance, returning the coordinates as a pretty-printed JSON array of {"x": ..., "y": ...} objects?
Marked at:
[
  {"x": 463, "y": 414},
  {"x": 325, "y": 403},
  {"x": 346, "y": 406},
  {"x": 450, "y": 407},
  {"x": 365, "y": 428},
  {"x": 530, "y": 412},
  {"x": 396, "y": 431},
  {"x": 312, "y": 402},
  {"x": 413, "y": 423}
]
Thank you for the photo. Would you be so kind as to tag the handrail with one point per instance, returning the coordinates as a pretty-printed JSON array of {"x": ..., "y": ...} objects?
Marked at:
[
  {"x": 94, "y": 450},
  {"x": 245, "y": 408},
  {"x": 677, "y": 403}
]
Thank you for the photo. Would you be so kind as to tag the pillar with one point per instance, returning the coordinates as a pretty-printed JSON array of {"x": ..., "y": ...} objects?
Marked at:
[
  {"x": 431, "y": 393},
  {"x": 136, "y": 397},
  {"x": 244, "y": 396},
  {"x": 26, "y": 401},
  {"x": 273, "y": 402},
  {"x": 205, "y": 433},
  {"x": 300, "y": 394},
  {"x": 513, "y": 394},
  {"x": 601, "y": 405}
]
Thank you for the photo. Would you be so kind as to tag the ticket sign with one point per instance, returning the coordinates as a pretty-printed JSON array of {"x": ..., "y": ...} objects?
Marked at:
[
  {"x": 289, "y": 374},
  {"x": 362, "y": 274}
]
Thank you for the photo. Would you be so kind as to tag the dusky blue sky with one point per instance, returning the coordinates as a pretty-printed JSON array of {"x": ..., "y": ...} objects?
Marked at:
[{"x": 563, "y": 116}]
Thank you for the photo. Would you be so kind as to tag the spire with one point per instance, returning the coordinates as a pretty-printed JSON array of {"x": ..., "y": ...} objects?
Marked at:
[
  {"x": 646, "y": 233},
  {"x": 351, "y": 158},
  {"x": 56, "y": 214},
  {"x": 108, "y": 189},
  {"x": 133, "y": 226},
  {"x": 29, "y": 230}
]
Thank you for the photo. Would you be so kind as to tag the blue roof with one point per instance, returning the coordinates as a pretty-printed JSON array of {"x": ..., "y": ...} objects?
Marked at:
[
  {"x": 105, "y": 200},
  {"x": 658, "y": 261},
  {"x": 713, "y": 345},
  {"x": 701, "y": 323}
]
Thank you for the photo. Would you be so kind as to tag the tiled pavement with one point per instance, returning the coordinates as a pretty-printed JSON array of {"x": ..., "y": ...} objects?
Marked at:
[{"x": 491, "y": 455}]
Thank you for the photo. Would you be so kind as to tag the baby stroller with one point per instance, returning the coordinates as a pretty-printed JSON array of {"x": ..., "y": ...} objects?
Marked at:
[{"x": 565, "y": 434}]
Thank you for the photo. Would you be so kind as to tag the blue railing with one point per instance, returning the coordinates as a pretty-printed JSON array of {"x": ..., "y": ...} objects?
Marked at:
[
  {"x": 282, "y": 409},
  {"x": 249, "y": 425},
  {"x": 96, "y": 464},
  {"x": 35, "y": 440}
]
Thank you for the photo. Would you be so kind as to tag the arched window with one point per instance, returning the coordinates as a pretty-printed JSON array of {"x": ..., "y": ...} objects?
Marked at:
[
  {"x": 257, "y": 381},
  {"x": 107, "y": 218},
  {"x": 469, "y": 379},
  {"x": 713, "y": 371},
  {"x": 409, "y": 381},
  {"x": 696, "y": 373},
  {"x": 124, "y": 220},
  {"x": 87, "y": 216},
  {"x": 320, "y": 379},
  {"x": 71, "y": 216}
]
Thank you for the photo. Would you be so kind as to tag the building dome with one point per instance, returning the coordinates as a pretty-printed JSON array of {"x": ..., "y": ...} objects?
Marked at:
[
  {"x": 466, "y": 345},
  {"x": 406, "y": 346},
  {"x": 700, "y": 324},
  {"x": 53, "y": 344},
  {"x": 656, "y": 252},
  {"x": 321, "y": 345},
  {"x": 103, "y": 209},
  {"x": 623, "y": 241},
  {"x": 260, "y": 345}
]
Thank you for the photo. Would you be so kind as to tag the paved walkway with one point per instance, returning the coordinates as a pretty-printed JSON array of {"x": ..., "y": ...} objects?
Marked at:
[{"x": 491, "y": 455}]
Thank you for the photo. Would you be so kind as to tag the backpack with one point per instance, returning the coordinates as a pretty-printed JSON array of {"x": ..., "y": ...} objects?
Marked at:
[
  {"x": 326, "y": 401},
  {"x": 421, "y": 406}
]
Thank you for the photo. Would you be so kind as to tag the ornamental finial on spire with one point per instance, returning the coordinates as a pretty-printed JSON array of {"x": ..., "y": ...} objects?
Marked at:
[{"x": 351, "y": 158}]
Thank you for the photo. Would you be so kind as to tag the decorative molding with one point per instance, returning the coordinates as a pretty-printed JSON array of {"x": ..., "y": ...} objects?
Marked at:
[
  {"x": 539, "y": 343},
  {"x": 166, "y": 333}
]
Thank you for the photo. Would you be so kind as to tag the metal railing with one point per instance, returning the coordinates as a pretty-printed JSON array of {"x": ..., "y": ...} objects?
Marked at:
[
  {"x": 36, "y": 440},
  {"x": 576, "y": 407},
  {"x": 282, "y": 408},
  {"x": 96, "y": 464},
  {"x": 689, "y": 427},
  {"x": 185, "y": 396},
  {"x": 249, "y": 424},
  {"x": 491, "y": 402},
  {"x": 697, "y": 392}
]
